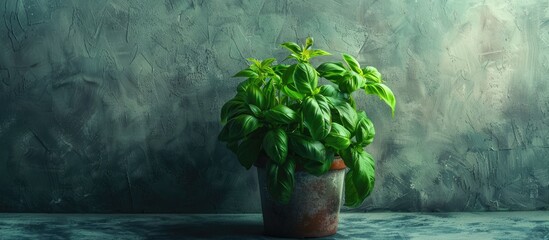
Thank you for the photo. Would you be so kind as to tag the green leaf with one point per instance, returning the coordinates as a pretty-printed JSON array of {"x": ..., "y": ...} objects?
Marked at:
[
  {"x": 280, "y": 180},
  {"x": 254, "y": 62},
  {"x": 305, "y": 55},
  {"x": 351, "y": 82},
  {"x": 318, "y": 52},
  {"x": 382, "y": 92},
  {"x": 238, "y": 128},
  {"x": 339, "y": 138},
  {"x": 365, "y": 131},
  {"x": 232, "y": 108},
  {"x": 335, "y": 101},
  {"x": 248, "y": 73},
  {"x": 309, "y": 42},
  {"x": 371, "y": 74},
  {"x": 280, "y": 69},
  {"x": 352, "y": 102},
  {"x": 267, "y": 62},
  {"x": 318, "y": 167},
  {"x": 353, "y": 63},
  {"x": 329, "y": 91},
  {"x": 294, "y": 56},
  {"x": 244, "y": 85},
  {"x": 255, "y": 96},
  {"x": 306, "y": 147},
  {"x": 305, "y": 78},
  {"x": 351, "y": 194},
  {"x": 240, "y": 96},
  {"x": 333, "y": 71},
  {"x": 293, "y": 47},
  {"x": 290, "y": 92},
  {"x": 360, "y": 180},
  {"x": 270, "y": 94},
  {"x": 280, "y": 114},
  {"x": 256, "y": 111},
  {"x": 316, "y": 116},
  {"x": 248, "y": 150},
  {"x": 275, "y": 144},
  {"x": 346, "y": 115},
  {"x": 275, "y": 79},
  {"x": 288, "y": 76}
]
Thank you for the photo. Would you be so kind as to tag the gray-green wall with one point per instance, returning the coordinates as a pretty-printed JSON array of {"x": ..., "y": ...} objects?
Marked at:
[{"x": 112, "y": 106}]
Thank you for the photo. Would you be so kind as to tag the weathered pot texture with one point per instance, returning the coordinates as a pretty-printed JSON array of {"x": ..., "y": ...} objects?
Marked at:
[{"x": 313, "y": 210}]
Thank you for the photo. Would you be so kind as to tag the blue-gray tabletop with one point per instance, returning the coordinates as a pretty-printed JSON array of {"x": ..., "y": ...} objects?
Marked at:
[{"x": 481, "y": 225}]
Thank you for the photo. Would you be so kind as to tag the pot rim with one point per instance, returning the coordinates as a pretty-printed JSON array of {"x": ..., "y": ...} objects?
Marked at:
[{"x": 337, "y": 163}]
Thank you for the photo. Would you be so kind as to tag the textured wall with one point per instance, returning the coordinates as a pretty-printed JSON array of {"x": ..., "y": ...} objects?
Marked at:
[{"x": 109, "y": 106}]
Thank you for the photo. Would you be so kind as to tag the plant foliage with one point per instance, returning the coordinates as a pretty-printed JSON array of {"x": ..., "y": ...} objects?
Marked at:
[{"x": 280, "y": 111}]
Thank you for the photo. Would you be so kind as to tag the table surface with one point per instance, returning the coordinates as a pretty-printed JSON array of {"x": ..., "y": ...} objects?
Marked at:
[{"x": 477, "y": 225}]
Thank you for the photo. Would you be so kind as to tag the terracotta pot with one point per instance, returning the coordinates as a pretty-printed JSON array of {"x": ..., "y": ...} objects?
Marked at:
[{"x": 313, "y": 210}]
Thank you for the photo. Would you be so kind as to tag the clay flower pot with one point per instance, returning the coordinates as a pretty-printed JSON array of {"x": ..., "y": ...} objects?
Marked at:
[{"x": 313, "y": 209}]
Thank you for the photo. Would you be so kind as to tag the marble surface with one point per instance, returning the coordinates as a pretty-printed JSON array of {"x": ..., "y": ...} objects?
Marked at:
[{"x": 386, "y": 225}]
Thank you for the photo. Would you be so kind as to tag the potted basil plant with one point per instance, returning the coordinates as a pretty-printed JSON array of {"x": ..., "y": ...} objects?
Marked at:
[{"x": 302, "y": 136}]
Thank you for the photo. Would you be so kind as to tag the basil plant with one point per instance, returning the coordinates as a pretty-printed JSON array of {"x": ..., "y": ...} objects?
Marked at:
[{"x": 282, "y": 112}]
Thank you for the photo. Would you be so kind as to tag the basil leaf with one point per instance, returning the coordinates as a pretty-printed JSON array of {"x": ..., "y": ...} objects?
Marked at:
[
  {"x": 360, "y": 180},
  {"x": 270, "y": 94},
  {"x": 280, "y": 114},
  {"x": 280, "y": 180},
  {"x": 243, "y": 86},
  {"x": 232, "y": 108},
  {"x": 334, "y": 102},
  {"x": 280, "y": 69},
  {"x": 352, "y": 102},
  {"x": 318, "y": 167},
  {"x": 316, "y": 116},
  {"x": 255, "y": 110},
  {"x": 318, "y": 52},
  {"x": 288, "y": 76},
  {"x": 309, "y": 42},
  {"x": 290, "y": 92},
  {"x": 305, "y": 78},
  {"x": 307, "y": 148},
  {"x": 382, "y": 92},
  {"x": 255, "y": 96},
  {"x": 294, "y": 56},
  {"x": 248, "y": 73},
  {"x": 365, "y": 131},
  {"x": 371, "y": 74},
  {"x": 346, "y": 115},
  {"x": 238, "y": 128},
  {"x": 351, "y": 82},
  {"x": 353, "y": 63},
  {"x": 275, "y": 144},
  {"x": 328, "y": 91},
  {"x": 255, "y": 62},
  {"x": 248, "y": 150},
  {"x": 339, "y": 138},
  {"x": 333, "y": 71},
  {"x": 293, "y": 47},
  {"x": 267, "y": 62}
]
